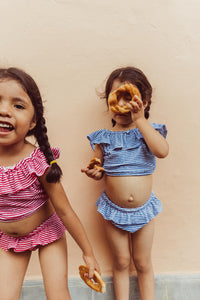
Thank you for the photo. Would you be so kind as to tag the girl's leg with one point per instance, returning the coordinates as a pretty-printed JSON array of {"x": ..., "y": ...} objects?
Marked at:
[
  {"x": 13, "y": 267},
  {"x": 141, "y": 246},
  {"x": 53, "y": 261},
  {"x": 119, "y": 245}
]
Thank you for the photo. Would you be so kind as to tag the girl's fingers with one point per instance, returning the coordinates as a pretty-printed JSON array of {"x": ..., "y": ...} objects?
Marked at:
[
  {"x": 137, "y": 100},
  {"x": 136, "y": 105},
  {"x": 91, "y": 272},
  {"x": 93, "y": 173}
]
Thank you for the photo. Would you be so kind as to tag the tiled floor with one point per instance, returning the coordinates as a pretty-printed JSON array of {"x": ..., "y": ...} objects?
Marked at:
[{"x": 168, "y": 287}]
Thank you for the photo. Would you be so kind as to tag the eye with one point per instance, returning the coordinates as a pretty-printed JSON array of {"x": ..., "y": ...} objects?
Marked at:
[
  {"x": 19, "y": 106},
  {"x": 128, "y": 98}
]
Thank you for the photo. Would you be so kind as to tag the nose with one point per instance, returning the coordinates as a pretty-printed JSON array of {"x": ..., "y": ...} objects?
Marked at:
[
  {"x": 4, "y": 109},
  {"x": 121, "y": 101}
]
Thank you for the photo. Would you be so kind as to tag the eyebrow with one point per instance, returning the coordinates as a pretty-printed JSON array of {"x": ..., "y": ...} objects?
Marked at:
[{"x": 21, "y": 100}]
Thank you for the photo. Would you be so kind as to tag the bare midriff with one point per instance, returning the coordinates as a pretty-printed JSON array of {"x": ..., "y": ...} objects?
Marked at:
[
  {"x": 128, "y": 191},
  {"x": 27, "y": 225}
]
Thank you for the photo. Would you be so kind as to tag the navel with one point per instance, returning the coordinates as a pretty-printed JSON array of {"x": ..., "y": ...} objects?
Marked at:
[
  {"x": 14, "y": 233},
  {"x": 131, "y": 198}
]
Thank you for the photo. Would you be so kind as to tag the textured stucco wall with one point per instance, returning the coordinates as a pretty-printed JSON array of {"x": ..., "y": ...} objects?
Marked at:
[{"x": 70, "y": 47}]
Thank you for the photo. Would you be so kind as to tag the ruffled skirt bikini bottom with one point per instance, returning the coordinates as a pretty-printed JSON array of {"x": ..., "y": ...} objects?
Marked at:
[
  {"x": 129, "y": 219},
  {"x": 49, "y": 231}
]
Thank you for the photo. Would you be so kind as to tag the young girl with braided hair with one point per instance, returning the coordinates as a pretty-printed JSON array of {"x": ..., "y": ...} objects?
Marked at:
[
  {"x": 34, "y": 209},
  {"x": 128, "y": 152}
]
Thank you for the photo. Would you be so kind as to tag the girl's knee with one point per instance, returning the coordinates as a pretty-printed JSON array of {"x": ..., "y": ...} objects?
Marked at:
[
  {"x": 143, "y": 265},
  {"x": 121, "y": 263}
]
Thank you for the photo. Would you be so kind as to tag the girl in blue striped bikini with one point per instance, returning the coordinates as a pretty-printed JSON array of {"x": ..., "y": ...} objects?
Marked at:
[{"x": 128, "y": 205}]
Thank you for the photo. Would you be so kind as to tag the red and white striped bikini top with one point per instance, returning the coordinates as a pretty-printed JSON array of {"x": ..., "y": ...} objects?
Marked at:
[{"x": 21, "y": 193}]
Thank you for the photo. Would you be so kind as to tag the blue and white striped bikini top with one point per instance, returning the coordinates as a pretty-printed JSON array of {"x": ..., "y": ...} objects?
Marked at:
[{"x": 125, "y": 152}]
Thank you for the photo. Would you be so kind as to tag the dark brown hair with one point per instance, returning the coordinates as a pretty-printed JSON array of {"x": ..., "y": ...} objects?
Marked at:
[
  {"x": 40, "y": 130},
  {"x": 137, "y": 78}
]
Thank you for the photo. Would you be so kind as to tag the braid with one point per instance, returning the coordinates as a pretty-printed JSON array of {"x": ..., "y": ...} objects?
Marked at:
[
  {"x": 147, "y": 98},
  {"x": 147, "y": 109},
  {"x": 113, "y": 123},
  {"x": 40, "y": 132}
]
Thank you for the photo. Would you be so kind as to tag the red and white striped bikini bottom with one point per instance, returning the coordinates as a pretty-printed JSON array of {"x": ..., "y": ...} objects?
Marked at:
[{"x": 49, "y": 231}]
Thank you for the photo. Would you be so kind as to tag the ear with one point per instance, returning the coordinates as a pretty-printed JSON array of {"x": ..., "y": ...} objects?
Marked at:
[
  {"x": 145, "y": 103},
  {"x": 32, "y": 124}
]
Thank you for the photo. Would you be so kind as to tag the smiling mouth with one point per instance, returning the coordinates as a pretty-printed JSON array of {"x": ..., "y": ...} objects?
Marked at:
[{"x": 5, "y": 127}]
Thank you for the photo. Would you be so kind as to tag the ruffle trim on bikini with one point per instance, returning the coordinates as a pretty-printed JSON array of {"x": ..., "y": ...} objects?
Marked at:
[
  {"x": 49, "y": 231},
  {"x": 128, "y": 216},
  {"x": 25, "y": 172},
  {"x": 128, "y": 139}
]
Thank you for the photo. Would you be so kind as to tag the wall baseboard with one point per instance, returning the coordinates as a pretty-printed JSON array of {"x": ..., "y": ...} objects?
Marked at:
[{"x": 168, "y": 287}]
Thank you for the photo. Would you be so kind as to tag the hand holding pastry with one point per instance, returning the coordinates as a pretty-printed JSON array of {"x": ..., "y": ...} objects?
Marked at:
[
  {"x": 94, "y": 169},
  {"x": 136, "y": 108},
  {"x": 96, "y": 283}
]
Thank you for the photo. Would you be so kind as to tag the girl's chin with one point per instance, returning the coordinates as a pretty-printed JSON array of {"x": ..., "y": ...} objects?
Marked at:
[
  {"x": 125, "y": 125},
  {"x": 123, "y": 119}
]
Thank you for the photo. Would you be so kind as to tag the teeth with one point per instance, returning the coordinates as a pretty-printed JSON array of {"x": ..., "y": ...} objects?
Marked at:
[{"x": 5, "y": 125}]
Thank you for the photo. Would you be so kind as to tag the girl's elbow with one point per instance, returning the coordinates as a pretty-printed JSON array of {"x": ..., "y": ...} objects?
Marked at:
[{"x": 163, "y": 153}]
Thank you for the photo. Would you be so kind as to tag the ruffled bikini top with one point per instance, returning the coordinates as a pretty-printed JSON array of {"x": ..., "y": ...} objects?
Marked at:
[
  {"x": 125, "y": 152},
  {"x": 21, "y": 193}
]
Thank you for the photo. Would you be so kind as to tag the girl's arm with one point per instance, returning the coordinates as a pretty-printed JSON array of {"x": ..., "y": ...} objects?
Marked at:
[
  {"x": 71, "y": 221},
  {"x": 154, "y": 140},
  {"x": 95, "y": 173}
]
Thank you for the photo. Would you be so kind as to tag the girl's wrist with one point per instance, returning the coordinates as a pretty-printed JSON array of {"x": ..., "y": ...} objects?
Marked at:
[
  {"x": 87, "y": 250},
  {"x": 102, "y": 174},
  {"x": 140, "y": 122},
  {"x": 88, "y": 253}
]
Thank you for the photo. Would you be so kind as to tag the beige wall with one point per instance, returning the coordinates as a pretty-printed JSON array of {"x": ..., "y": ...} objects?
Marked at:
[{"x": 70, "y": 47}]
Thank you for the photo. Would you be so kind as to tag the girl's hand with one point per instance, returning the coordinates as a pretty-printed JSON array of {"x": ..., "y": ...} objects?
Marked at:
[
  {"x": 93, "y": 173},
  {"x": 136, "y": 108},
  {"x": 92, "y": 265}
]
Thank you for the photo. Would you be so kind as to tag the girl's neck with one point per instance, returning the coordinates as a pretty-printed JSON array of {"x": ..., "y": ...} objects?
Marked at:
[
  {"x": 119, "y": 127},
  {"x": 10, "y": 155}
]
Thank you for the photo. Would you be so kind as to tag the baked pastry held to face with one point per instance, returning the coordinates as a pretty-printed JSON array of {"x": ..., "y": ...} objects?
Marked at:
[{"x": 127, "y": 88}]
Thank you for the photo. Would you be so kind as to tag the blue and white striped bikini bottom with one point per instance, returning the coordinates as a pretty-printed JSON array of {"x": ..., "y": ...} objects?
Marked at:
[{"x": 129, "y": 219}]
